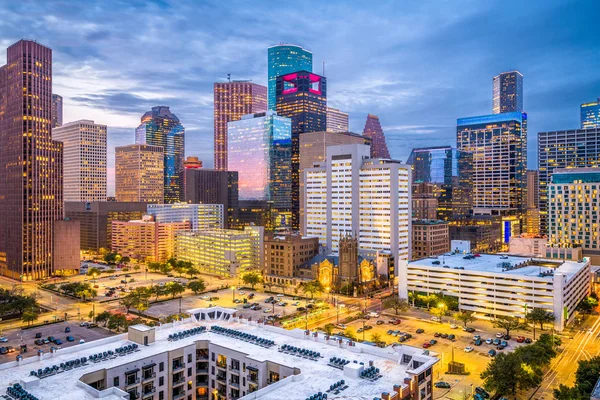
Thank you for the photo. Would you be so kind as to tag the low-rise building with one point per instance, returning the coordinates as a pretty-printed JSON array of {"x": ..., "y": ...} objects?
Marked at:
[
  {"x": 429, "y": 238},
  {"x": 285, "y": 253},
  {"x": 529, "y": 246}
]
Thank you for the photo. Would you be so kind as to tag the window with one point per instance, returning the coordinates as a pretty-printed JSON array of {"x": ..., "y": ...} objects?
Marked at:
[
  {"x": 161, "y": 395},
  {"x": 116, "y": 381},
  {"x": 161, "y": 367},
  {"x": 189, "y": 358},
  {"x": 189, "y": 372},
  {"x": 161, "y": 381}
]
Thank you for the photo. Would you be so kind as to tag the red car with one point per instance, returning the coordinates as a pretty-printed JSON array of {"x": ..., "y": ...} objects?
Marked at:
[
  {"x": 395, "y": 321},
  {"x": 426, "y": 345},
  {"x": 520, "y": 339}
]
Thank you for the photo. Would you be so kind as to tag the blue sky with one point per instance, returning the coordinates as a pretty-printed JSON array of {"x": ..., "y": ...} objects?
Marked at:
[{"x": 419, "y": 65}]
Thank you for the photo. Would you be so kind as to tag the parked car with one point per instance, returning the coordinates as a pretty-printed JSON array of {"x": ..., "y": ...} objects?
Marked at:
[
  {"x": 451, "y": 337},
  {"x": 242, "y": 292},
  {"x": 39, "y": 342},
  {"x": 432, "y": 342},
  {"x": 67, "y": 329},
  {"x": 46, "y": 341},
  {"x": 81, "y": 341},
  {"x": 214, "y": 298},
  {"x": 267, "y": 310},
  {"x": 280, "y": 295},
  {"x": 58, "y": 342},
  {"x": 478, "y": 342},
  {"x": 506, "y": 337},
  {"x": 300, "y": 309},
  {"x": 492, "y": 353},
  {"x": 426, "y": 345},
  {"x": 469, "y": 329},
  {"x": 51, "y": 339},
  {"x": 3, "y": 340},
  {"x": 444, "y": 335},
  {"x": 437, "y": 334},
  {"x": 528, "y": 340},
  {"x": 38, "y": 335},
  {"x": 499, "y": 335},
  {"x": 90, "y": 326},
  {"x": 453, "y": 326},
  {"x": 489, "y": 341},
  {"x": 442, "y": 385},
  {"x": 420, "y": 330},
  {"x": 70, "y": 339},
  {"x": 340, "y": 326},
  {"x": 395, "y": 321},
  {"x": 380, "y": 322},
  {"x": 436, "y": 319},
  {"x": 481, "y": 391},
  {"x": 3, "y": 350},
  {"x": 84, "y": 323},
  {"x": 520, "y": 339},
  {"x": 469, "y": 349},
  {"x": 251, "y": 296},
  {"x": 476, "y": 337}
]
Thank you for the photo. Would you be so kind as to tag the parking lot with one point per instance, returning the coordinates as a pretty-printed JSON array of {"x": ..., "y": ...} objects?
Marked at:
[{"x": 16, "y": 338}]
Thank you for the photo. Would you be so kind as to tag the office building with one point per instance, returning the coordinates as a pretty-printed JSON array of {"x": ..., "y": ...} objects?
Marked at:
[
  {"x": 573, "y": 203},
  {"x": 95, "y": 220},
  {"x": 429, "y": 238},
  {"x": 507, "y": 286},
  {"x": 337, "y": 121},
  {"x": 369, "y": 198},
  {"x": 65, "y": 250},
  {"x": 231, "y": 101},
  {"x": 532, "y": 215},
  {"x": 146, "y": 240},
  {"x": 590, "y": 115},
  {"x": 160, "y": 127},
  {"x": 139, "y": 173},
  {"x": 57, "y": 110},
  {"x": 450, "y": 171},
  {"x": 302, "y": 97},
  {"x": 257, "y": 213},
  {"x": 84, "y": 160},
  {"x": 508, "y": 92},
  {"x": 260, "y": 150},
  {"x": 200, "y": 216},
  {"x": 498, "y": 143},
  {"x": 190, "y": 163},
  {"x": 211, "y": 186},
  {"x": 285, "y": 253},
  {"x": 222, "y": 252},
  {"x": 284, "y": 59},
  {"x": 575, "y": 148},
  {"x": 374, "y": 132},
  {"x": 484, "y": 232},
  {"x": 31, "y": 173},
  {"x": 204, "y": 358}
]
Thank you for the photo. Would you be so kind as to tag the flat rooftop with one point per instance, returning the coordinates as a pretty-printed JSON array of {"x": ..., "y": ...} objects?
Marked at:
[
  {"x": 315, "y": 376},
  {"x": 497, "y": 263}
]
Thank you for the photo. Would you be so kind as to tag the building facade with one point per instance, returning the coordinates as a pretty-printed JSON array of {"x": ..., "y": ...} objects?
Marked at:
[
  {"x": 507, "y": 92},
  {"x": 284, "y": 254},
  {"x": 429, "y": 238},
  {"x": 590, "y": 115},
  {"x": 528, "y": 246},
  {"x": 302, "y": 97},
  {"x": 66, "y": 247},
  {"x": 84, "y": 160},
  {"x": 57, "y": 110},
  {"x": 576, "y": 148},
  {"x": 374, "y": 132},
  {"x": 160, "y": 127},
  {"x": 532, "y": 216},
  {"x": 211, "y": 186},
  {"x": 231, "y": 101},
  {"x": 200, "y": 216},
  {"x": 337, "y": 121},
  {"x": 139, "y": 173},
  {"x": 284, "y": 59},
  {"x": 484, "y": 232},
  {"x": 354, "y": 194},
  {"x": 95, "y": 220},
  {"x": 31, "y": 173},
  {"x": 498, "y": 143}
]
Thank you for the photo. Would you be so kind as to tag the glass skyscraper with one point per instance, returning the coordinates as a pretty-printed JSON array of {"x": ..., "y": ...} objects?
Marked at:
[
  {"x": 508, "y": 92},
  {"x": 260, "y": 150},
  {"x": 160, "y": 127},
  {"x": 284, "y": 59},
  {"x": 590, "y": 115}
]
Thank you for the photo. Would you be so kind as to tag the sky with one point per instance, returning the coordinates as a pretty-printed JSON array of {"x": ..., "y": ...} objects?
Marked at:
[{"x": 418, "y": 65}]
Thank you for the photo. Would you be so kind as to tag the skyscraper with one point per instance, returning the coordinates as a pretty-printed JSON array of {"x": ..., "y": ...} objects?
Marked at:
[
  {"x": 590, "y": 115},
  {"x": 84, "y": 155},
  {"x": 498, "y": 143},
  {"x": 302, "y": 97},
  {"x": 57, "y": 110},
  {"x": 373, "y": 131},
  {"x": 260, "y": 150},
  {"x": 337, "y": 121},
  {"x": 31, "y": 180},
  {"x": 139, "y": 173},
  {"x": 532, "y": 195},
  {"x": 190, "y": 163},
  {"x": 162, "y": 128},
  {"x": 231, "y": 101},
  {"x": 508, "y": 92},
  {"x": 211, "y": 186},
  {"x": 284, "y": 59}
]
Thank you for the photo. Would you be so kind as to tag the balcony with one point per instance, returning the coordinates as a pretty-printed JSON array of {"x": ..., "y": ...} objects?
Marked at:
[
  {"x": 147, "y": 377},
  {"x": 253, "y": 379},
  {"x": 234, "y": 368},
  {"x": 178, "y": 381},
  {"x": 178, "y": 366},
  {"x": 178, "y": 396},
  {"x": 201, "y": 371},
  {"x": 132, "y": 382},
  {"x": 222, "y": 365},
  {"x": 149, "y": 392},
  {"x": 222, "y": 378},
  {"x": 234, "y": 384}
]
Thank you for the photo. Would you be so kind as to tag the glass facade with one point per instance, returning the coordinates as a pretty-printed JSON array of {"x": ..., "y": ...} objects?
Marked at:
[
  {"x": 508, "y": 92},
  {"x": 160, "y": 127},
  {"x": 284, "y": 59},
  {"x": 590, "y": 115}
]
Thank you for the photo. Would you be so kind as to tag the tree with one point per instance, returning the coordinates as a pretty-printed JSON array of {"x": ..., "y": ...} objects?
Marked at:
[
  {"x": 174, "y": 288},
  {"x": 179, "y": 267},
  {"x": 154, "y": 266},
  {"x": 540, "y": 316},
  {"x": 376, "y": 338},
  {"x": 125, "y": 260},
  {"x": 509, "y": 324},
  {"x": 501, "y": 374},
  {"x": 438, "y": 312},
  {"x": 29, "y": 317},
  {"x": 94, "y": 272},
  {"x": 112, "y": 258},
  {"x": 588, "y": 304},
  {"x": 465, "y": 317},
  {"x": 396, "y": 303},
  {"x": 165, "y": 269},
  {"x": 252, "y": 278},
  {"x": 157, "y": 290},
  {"x": 128, "y": 301},
  {"x": 136, "y": 267},
  {"x": 103, "y": 317},
  {"x": 91, "y": 315},
  {"x": 328, "y": 328},
  {"x": 192, "y": 271},
  {"x": 117, "y": 321},
  {"x": 567, "y": 393},
  {"x": 587, "y": 375},
  {"x": 197, "y": 286},
  {"x": 313, "y": 288}
]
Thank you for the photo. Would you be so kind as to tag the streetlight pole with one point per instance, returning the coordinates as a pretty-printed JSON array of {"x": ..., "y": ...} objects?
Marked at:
[{"x": 233, "y": 291}]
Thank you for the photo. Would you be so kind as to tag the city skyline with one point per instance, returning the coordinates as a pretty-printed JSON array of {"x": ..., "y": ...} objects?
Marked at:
[{"x": 391, "y": 78}]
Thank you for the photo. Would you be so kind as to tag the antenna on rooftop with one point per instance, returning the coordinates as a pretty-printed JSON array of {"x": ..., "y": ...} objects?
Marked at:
[
  {"x": 228, "y": 77},
  {"x": 323, "y": 67}
]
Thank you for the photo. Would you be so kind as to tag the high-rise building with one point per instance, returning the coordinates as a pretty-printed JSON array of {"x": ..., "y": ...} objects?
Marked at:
[
  {"x": 573, "y": 203},
  {"x": 139, "y": 173},
  {"x": 211, "y": 186},
  {"x": 284, "y": 59},
  {"x": 231, "y": 101},
  {"x": 313, "y": 149},
  {"x": 533, "y": 189},
  {"x": 508, "y": 92},
  {"x": 451, "y": 172},
  {"x": 160, "y": 127},
  {"x": 260, "y": 150},
  {"x": 190, "y": 163},
  {"x": 429, "y": 238},
  {"x": 66, "y": 248},
  {"x": 31, "y": 173},
  {"x": 337, "y": 121},
  {"x": 200, "y": 216},
  {"x": 57, "y": 110},
  {"x": 302, "y": 97},
  {"x": 590, "y": 115},
  {"x": 498, "y": 143},
  {"x": 425, "y": 200},
  {"x": 368, "y": 198},
  {"x": 374, "y": 131},
  {"x": 84, "y": 155},
  {"x": 575, "y": 148}
]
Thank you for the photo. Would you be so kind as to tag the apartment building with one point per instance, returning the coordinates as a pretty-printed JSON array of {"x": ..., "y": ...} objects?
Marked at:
[{"x": 429, "y": 238}]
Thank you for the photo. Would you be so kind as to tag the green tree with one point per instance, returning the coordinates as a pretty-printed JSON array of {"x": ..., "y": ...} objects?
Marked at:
[
  {"x": 116, "y": 322},
  {"x": 157, "y": 291},
  {"x": 112, "y": 258},
  {"x": 165, "y": 268},
  {"x": 103, "y": 317},
  {"x": 313, "y": 288},
  {"x": 129, "y": 301},
  {"x": 29, "y": 317},
  {"x": 465, "y": 317},
  {"x": 376, "y": 338},
  {"x": 91, "y": 315},
  {"x": 328, "y": 328},
  {"x": 197, "y": 286},
  {"x": 567, "y": 393},
  {"x": 252, "y": 278},
  {"x": 154, "y": 266},
  {"x": 191, "y": 270},
  {"x": 396, "y": 303},
  {"x": 587, "y": 375},
  {"x": 501, "y": 374},
  {"x": 94, "y": 272},
  {"x": 588, "y": 304},
  {"x": 439, "y": 312},
  {"x": 179, "y": 267},
  {"x": 540, "y": 316},
  {"x": 509, "y": 324},
  {"x": 125, "y": 260},
  {"x": 174, "y": 288}
]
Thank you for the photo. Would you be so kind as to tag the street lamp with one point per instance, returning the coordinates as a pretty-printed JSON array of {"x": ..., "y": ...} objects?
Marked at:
[
  {"x": 94, "y": 276},
  {"x": 233, "y": 291},
  {"x": 327, "y": 289},
  {"x": 442, "y": 307}
]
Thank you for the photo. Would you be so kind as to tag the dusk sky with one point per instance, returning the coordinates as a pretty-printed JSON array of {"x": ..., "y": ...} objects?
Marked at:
[{"x": 418, "y": 65}]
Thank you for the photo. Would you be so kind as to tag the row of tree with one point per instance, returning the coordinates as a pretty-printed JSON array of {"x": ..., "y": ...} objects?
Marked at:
[
  {"x": 139, "y": 297},
  {"x": 14, "y": 302},
  {"x": 173, "y": 265}
]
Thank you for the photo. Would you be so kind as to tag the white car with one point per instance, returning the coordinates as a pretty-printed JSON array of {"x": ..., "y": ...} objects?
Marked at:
[
  {"x": 205, "y": 298},
  {"x": 468, "y": 349},
  {"x": 453, "y": 326},
  {"x": 267, "y": 310},
  {"x": 85, "y": 323},
  {"x": 280, "y": 295},
  {"x": 499, "y": 335},
  {"x": 3, "y": 340},
  {"x": 241, "y": 292}
]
